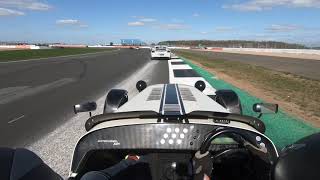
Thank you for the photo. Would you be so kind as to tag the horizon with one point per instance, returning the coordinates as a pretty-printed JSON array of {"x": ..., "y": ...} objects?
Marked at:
[{"x": 94, "y": 22}]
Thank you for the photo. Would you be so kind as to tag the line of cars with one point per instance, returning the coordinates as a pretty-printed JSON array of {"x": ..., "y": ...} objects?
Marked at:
[{"x": 157, "y": 52}]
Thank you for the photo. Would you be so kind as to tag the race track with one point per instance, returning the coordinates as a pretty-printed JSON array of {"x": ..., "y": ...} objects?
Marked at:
[
  {"x": 302, "y": 67},
  {"x": 36, "y": 97}
]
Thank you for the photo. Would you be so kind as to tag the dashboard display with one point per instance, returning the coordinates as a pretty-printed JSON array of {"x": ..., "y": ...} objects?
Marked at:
[{"x": 223, "y": 140}]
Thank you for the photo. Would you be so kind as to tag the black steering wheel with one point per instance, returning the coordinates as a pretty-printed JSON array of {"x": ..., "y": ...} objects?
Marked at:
[
  {"x": 203, "y": 164},
  {"x": 239, "y": 136},
  {"x": 216, "y": 158}
]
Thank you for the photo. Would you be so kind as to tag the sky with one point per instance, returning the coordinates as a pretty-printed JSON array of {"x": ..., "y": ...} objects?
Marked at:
[{"x": 104, "y": 21}]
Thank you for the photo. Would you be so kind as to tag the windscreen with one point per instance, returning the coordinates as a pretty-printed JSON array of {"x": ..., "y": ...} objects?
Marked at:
[{"x": 161, "y": 49}]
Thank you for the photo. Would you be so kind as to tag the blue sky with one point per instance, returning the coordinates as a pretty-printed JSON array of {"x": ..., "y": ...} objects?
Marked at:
[{"x": 102, "y": 21}]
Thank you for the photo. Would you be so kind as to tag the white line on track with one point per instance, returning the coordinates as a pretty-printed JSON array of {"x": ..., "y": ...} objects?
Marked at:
[
  {"x": 16, "y": 119},
  {"x": 10, "y": 94}
]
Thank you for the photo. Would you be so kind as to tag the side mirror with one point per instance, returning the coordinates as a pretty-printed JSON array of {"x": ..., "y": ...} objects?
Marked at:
[
  {"x": 265, "y": 108},
  {"x": 85, "y": 107}
]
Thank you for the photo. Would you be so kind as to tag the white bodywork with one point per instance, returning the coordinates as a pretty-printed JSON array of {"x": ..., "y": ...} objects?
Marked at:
[
  {"x": 153, "y": 97},
  {"x": 202, "y": 102},
  {"x": 142, "y": 102},
  {"x": 160, "y": 52}
]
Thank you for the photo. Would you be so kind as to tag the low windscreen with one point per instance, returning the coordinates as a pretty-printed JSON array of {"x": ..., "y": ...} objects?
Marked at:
[
  {"x": 161, "y": 49},
  {"x": 223, "y": 140}
]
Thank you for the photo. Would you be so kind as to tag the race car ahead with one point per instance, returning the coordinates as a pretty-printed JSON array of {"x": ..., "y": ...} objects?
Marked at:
[
  {"x": 173, "y": 131},
  {"x": 160, "y": 52}
]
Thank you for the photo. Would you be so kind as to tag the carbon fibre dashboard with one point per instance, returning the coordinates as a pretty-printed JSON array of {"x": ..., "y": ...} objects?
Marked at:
[{"x": 157, "y": 137}]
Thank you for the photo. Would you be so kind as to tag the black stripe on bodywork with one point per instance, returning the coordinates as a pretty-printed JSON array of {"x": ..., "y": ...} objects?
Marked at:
[
  {"x": 171, "y": 105},
  {"x": 185, "y": 73},
  {"x": 171, "y": 94},
  {"x": 181, "y": 102},
  {"x": 171, "y": 98}
]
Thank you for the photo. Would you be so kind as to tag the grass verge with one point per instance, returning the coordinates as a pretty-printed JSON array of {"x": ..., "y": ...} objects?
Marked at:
[
  {"x": 15, "y": 55},
  {"x": 282, "y": 128}
]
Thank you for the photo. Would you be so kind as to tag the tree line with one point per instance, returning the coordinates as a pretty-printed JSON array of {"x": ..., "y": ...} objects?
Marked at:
[{"x": 234, "y": 44}]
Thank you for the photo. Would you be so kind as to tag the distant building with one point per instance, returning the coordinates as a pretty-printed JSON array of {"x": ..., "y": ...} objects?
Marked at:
[{"x": 132, "y": 42}]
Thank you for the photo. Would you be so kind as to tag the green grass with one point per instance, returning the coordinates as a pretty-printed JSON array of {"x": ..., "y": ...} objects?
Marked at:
[
  {"x": 282, "y": 128},
  {"x": 16, "y": 55}
]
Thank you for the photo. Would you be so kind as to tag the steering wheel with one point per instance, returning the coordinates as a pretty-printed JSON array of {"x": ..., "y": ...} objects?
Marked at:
[
  {"x": 202, "y": 162},
  {"x": 239, "y": 136},
  {"x": 227, "y": 153}
]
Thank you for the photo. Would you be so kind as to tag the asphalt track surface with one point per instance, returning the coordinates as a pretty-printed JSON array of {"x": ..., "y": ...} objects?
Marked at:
[
  {"x": 302, "y": 67},
  {"x": 36, "y": 97}
]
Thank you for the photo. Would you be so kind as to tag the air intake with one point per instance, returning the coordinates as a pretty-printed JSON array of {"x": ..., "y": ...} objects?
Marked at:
[
  {"x": 186, "y": 94},
  {"x": 155, "y": 94}
]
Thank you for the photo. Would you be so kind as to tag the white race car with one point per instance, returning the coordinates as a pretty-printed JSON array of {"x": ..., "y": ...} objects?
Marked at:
[
  {"x": 173, "y": 131},
  {"x": 160, "y": 52}
]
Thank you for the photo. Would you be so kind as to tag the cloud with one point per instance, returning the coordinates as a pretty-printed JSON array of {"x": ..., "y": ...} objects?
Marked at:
[
  {"x": 34, "y": 5},
  {"x": 68, "y": 21},
  {"x": 176, "y": 20},
  {"x": 84, "y": 25},
  {"x": 10, "y": 12},
  {"x": 195, "y": 15},
  {"x": 136, "y": 23},
  {"x": 176, "y": 26},
  {"x": 203, "y": 32},
  {"x": 223, "y": 29},
  {"x": 138, "y": 17},
  {"x": 282, "y": 28},
  {"x": 260, "y": 5},
  {"x": 71, "y": 22},
  {"x": 147, "y": 20},
  {"x": 144, "y": 19}
]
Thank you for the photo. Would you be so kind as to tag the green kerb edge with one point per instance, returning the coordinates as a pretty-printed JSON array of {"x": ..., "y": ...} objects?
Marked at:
[{"x": 283, "y": 129}]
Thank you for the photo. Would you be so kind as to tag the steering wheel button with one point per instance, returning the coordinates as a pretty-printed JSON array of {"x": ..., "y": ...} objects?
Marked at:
[
  {"x": 176, "y": 130},
  {"x": 262, "y": 145},
  {"x": 169, "y": 130},
  {"x": 258, "y": 138}
]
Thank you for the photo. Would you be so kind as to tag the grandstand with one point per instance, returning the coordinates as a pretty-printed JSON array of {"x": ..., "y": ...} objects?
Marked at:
[{"x": 132, "y": 42}]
